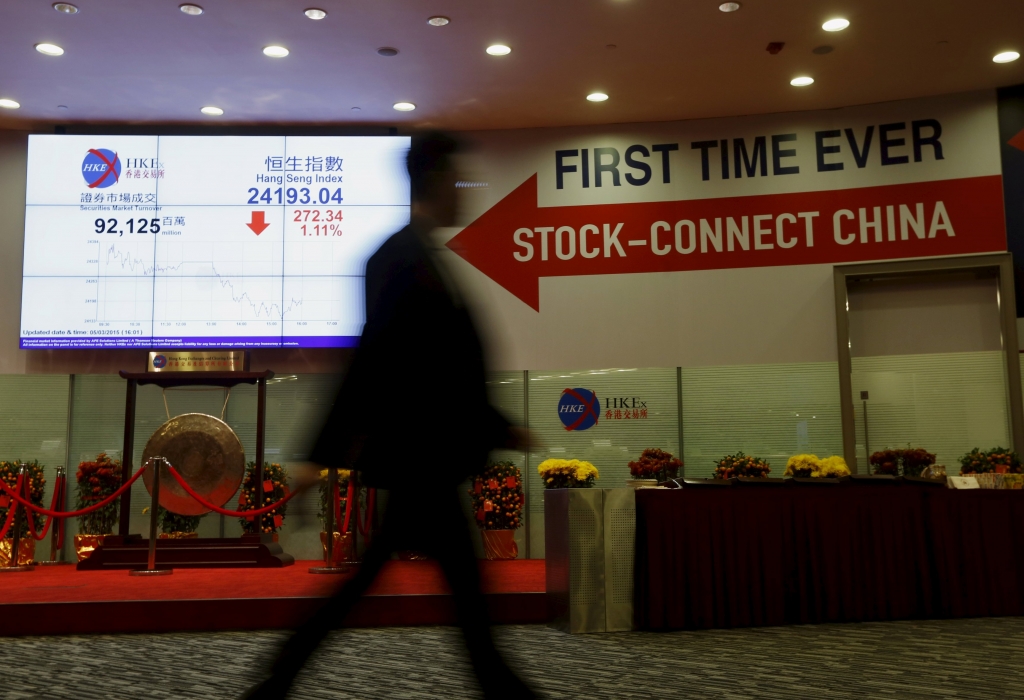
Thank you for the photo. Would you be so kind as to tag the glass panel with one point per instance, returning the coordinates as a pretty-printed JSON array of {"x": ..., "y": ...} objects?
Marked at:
[
  {"x": 771, "y": 411},
  {"x": 928, "y": 352},
  {"x": 33, "y": 426},
  {"x": 647, "y": 396},
  {"x": 947, "y": 403}
]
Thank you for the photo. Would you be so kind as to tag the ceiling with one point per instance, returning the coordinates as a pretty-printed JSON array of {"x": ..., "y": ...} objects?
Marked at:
[{"x": 138, "y": 61}]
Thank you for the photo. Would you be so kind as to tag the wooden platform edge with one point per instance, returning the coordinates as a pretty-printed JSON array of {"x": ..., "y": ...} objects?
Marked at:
[{"x": 209, "y": 615}]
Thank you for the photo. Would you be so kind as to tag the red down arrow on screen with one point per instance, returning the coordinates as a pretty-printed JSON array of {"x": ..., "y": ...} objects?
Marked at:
[{"x": 258, "y": 224}]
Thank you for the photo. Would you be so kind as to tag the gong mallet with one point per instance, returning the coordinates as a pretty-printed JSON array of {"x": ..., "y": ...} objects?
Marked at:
[
  {"x": 155, "y": 464},
  {"x": 13, "y": 565},
  {"x": 332, "y": 499},
  {"x": 57, "y": 523}
]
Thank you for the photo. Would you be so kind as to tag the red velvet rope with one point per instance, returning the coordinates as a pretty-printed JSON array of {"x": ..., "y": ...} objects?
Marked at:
[
  {"x": 12, "y": 509},
  {"x": 72, "y": 513},
  {"x": 49, "y": 521},
  {"x": 223, "y": 511},
  {"x": 348, "y": 504}
]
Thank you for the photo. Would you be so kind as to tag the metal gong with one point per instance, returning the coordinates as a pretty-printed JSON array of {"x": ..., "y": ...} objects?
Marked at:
[{"x": 206, "y": 452}]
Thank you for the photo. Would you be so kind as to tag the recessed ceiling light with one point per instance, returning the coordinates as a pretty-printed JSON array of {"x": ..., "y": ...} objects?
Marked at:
[
  {"x": 405, "y": 106},
  {"x": 356, "y": 109},
  {"x": 597, "y": 97},
  {"x": 499, "y": 50},
  {"x": 836, "y": 25},
  {"x": 212, "y": 111},
  {"x": 9, "y": 104},
  {"x": 49, "y": 49},
  {"x": 275, "y": 51},
  {"x": 802, "y": 81},
  {"x": 315, "y": 13},
  {"x": 1006, "y": 57},
  {"x": 438, "y": 21},
  {"x": 729, "y": 6},
  {"x": 387, "y": 51},
  {"x": 65, "y": 7},
  {"x": 190, "y": 9}
]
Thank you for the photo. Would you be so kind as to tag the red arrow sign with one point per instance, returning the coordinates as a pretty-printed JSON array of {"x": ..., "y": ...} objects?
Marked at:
[
  {"x": 258, "y": 224},
  {"x": 515, "y": 242}
]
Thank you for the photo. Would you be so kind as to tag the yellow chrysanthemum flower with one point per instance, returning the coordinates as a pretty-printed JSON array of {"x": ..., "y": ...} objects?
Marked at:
[{"x": 798, "y": 463}]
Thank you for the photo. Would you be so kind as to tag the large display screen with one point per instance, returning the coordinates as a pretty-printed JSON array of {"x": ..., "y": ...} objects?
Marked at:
[{"x": 204, "y": 241}]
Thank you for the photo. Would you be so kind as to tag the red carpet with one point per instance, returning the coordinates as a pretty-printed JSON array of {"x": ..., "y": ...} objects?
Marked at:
[{"x": 61, "y": 600}]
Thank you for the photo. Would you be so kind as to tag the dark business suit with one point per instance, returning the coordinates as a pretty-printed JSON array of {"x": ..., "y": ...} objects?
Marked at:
[{"x": 412, "y": 415}]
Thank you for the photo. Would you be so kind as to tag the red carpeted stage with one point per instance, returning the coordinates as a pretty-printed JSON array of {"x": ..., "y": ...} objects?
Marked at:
[{"x": 61, "y": 600}]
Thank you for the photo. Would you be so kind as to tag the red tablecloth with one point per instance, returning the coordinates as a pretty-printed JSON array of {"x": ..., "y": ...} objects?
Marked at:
[{"x": 757, "y": 555}]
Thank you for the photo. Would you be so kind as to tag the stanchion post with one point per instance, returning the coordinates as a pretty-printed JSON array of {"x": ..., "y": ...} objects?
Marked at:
[
  {"x": 57, "y": 524},
  {"x": 331, "y": 566},
  {"x": 157, "y": 464},
  {"x": 13, "y": 564},
  {"x": 261, "y": 420}
]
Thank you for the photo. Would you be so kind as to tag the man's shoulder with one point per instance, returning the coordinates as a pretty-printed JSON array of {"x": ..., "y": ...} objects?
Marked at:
[{"x": 400, "y": 248}]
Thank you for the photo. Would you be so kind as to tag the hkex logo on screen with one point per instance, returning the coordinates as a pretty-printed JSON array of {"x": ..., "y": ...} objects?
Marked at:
[
  {"x": 578, "y": 409},
  {"x": 101, "y": 168}
]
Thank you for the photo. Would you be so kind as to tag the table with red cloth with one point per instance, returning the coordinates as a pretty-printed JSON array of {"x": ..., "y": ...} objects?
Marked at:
[{"x": 746, "y": 555}]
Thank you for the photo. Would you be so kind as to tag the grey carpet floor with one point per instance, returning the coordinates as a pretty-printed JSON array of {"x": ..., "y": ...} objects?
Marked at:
[{"x": 979, "y": 658}]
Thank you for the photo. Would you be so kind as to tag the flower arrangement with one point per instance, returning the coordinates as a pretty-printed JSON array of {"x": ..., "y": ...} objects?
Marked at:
[
  {"x": 497, "y": 495},
  {"x": 36, "y": 483},
  {"x": 813, "y": 467},
  {"x": 908, "y": 462},
  {"x": 834, "y": 467},
  {"x": 740, "y": 464},
  {"x": 97, "y": 480},
  {"x": 274, "y": 488},
  {"x": 343, "y": 475},
  {"x": 999, "y": 460},
  {"x": 655, "y": 464},
  {"x": 803, "y": 466},
  {"x": 567, "y": 474}
]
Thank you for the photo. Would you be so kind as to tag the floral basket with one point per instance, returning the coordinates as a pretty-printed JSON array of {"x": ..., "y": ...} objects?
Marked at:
[
  {"x": 908, "y": 462},
  {"x": 97, "y": 480},
  {"x": 740, "y": 464},
  {"x": 497, "y": 496},
  {"x": 567, "y": 474},
  {"x": 998, "y": 460},
  {"x": 810, "y": 466},
  {"x": 273, "y": 488},
  {"x": 655, "y": 464}
]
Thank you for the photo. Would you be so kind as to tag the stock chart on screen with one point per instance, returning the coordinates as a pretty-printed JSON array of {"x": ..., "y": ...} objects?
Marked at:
[{"x": 204, "y": 241}]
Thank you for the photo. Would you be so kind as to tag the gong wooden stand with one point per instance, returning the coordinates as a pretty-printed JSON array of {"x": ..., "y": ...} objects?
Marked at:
[{"x": 125, "y": 550}]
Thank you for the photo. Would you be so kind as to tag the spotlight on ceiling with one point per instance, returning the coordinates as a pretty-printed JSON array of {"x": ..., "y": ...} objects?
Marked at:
[
  {"x": 275, "y": 51},
  {"x": 499, "y": 50},
  {"x": 49, "y": 49},
  {"x": 802, "y": 81},
  {"x": 836, "y": 25},
  {"x": 212, "y": 111},
  {"x": 387, "y": 51},
  {"x": 729, "y": 6},
  {"x": 190, "y": 9},
  {"x": 9, "y": 104},
  {"x": 597, "y": 97},
  {"x": 404, "y": 106},
  {"x": 1006, "y": 57},
  {"x": 315, "y": 13},
  {"x": 65, "y": 8},
  {"x": 438, "y": 21}
]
